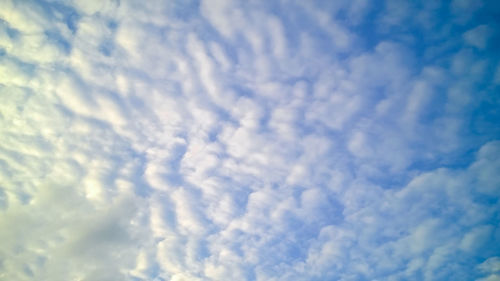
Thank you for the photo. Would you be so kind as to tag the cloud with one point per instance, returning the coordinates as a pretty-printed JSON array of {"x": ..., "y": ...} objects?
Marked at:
[
  {"x": 248, "y": 141},
  {"x": 478, "y": 37}
]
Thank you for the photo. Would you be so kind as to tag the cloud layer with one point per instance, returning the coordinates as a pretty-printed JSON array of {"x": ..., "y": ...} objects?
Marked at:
[{"x": 249, "y": 140}]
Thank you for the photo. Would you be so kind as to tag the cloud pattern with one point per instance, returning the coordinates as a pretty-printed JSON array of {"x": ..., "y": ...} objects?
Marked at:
[{"x": 249, "y": 140}]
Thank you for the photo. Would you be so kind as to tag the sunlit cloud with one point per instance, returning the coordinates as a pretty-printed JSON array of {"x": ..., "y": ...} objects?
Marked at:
[{"x": 249, "y": 140}]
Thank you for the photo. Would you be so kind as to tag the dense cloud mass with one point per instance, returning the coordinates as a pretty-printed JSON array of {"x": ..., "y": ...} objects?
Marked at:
[{"x": 249, "y": 140}]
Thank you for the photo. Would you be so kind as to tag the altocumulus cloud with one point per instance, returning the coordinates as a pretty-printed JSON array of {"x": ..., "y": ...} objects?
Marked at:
[{"x": 249, "y": 140}]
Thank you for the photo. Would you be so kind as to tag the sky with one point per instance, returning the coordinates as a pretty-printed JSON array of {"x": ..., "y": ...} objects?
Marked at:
[{"x": 249, "y": 140}]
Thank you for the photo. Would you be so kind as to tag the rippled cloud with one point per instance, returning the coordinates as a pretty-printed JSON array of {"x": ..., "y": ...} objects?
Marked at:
[{"x": 249, "y": 140}]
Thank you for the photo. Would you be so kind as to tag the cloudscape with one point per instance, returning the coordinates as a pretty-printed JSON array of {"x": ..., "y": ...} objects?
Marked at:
[{"x": 284, "y": 140}]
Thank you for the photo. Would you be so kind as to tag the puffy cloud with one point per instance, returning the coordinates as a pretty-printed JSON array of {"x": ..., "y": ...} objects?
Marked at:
[
  {"x": 248, "y": 141},
  {"x": 478, "y": 37}
]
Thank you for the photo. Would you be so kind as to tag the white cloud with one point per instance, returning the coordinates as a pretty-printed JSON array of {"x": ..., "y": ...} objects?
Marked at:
[
  {"x": 221, "y": 15},
  {"x": 243, "y": 141},
  {"x": 478, "y": 36}
]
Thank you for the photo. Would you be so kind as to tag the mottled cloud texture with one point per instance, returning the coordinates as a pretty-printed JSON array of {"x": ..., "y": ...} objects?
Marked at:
[{"x": 249, "y": 140}]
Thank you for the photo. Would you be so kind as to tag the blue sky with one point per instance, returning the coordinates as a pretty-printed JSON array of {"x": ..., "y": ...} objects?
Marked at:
[{"x": 249, "y": 140}]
